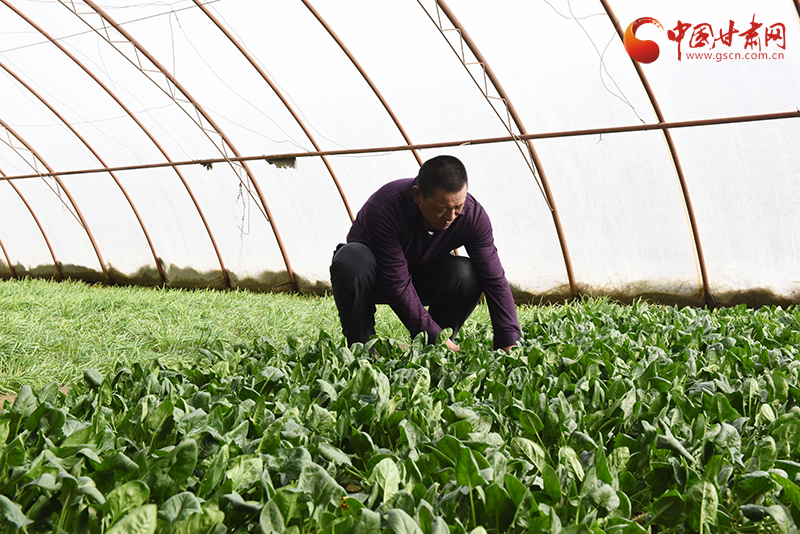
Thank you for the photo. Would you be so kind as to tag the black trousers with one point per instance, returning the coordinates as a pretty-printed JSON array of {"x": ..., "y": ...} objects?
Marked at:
[{"x": 450, "y": 288}]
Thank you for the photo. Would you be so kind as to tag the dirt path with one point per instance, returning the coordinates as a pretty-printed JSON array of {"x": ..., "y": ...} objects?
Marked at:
[{"x": 4, "y": 398}]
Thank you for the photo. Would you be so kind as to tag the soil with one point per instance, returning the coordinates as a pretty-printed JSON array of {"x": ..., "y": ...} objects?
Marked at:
[{"x": 11, "y": 398}]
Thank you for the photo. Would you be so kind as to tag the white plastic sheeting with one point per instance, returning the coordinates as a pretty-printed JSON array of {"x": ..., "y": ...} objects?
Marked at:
[{"x": 136, "y": 138}]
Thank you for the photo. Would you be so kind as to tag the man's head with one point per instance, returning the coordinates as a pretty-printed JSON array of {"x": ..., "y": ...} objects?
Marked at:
[{"x": 440, "y": 191}]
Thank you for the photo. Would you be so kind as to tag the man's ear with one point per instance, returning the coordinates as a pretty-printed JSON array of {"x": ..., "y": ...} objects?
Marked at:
[{"x": 417, "y": 192}]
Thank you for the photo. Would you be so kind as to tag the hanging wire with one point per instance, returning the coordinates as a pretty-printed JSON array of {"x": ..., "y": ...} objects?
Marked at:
[
  {"x": 168, "y": 85},
  {"x": 258, "y": 109},
  {"x": 127, "y": 22},
  {"x": 507, "y": 122},
  {"x": 243, "y": 184},
  {"x": 33, "y": 162},
  {"x": 286, "y": 94},
  {"x": 603, "y": 67}
]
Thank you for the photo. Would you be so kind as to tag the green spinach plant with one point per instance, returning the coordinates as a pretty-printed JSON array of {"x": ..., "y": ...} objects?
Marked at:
[{"x": 616, "y": 419}]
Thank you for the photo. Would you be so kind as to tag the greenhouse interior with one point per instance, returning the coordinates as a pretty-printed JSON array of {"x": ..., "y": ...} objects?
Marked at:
[
  {"x": 638, "y": 161},
  {"x": 229, "y": 144}
]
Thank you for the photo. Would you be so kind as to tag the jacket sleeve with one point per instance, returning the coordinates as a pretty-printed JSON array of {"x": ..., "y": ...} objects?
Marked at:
[
  {"x": 500, "y": 301},
  {"x": 393, "y": 273}
]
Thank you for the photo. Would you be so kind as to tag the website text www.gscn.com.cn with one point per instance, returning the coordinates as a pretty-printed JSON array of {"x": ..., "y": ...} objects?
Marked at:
[{"x": 726, "y": 56}]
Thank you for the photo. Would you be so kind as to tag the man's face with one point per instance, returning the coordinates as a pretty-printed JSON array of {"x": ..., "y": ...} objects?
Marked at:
[{"x": 440, "y": 209}]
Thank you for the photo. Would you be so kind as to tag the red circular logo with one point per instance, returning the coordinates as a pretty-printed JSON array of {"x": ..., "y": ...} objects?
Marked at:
[{"x": 639, "y": 50}]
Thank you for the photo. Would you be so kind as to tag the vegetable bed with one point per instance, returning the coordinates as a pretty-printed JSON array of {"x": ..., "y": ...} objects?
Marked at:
[{"x": 618, "y": 419}]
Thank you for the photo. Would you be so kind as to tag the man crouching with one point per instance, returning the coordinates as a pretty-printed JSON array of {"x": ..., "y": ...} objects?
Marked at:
[{"x": 399, "y": 252}]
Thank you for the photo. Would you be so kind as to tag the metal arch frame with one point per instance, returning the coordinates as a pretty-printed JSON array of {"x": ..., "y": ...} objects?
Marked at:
[
  {"x": 687, "y": 199},
  {"x": 64, "y": 188},
  {"x": 797, "y": 5},
  {"x": 521, "y": 127},
  {"x": 56, "y": 263},
  {"x": 201, "y": 114},
  {"x": 280, "y": 95},
  {"x": 364, "y": 75},
  {"x": 99, "y": 159},
  {"x": 138, "y": 123}
]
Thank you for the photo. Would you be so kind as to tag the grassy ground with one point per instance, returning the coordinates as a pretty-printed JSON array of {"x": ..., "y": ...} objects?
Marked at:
[{"x": 51, "y": 332}]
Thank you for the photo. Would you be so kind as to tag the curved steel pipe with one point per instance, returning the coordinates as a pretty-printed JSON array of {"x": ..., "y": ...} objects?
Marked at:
[{"x": 701, "y": 259}]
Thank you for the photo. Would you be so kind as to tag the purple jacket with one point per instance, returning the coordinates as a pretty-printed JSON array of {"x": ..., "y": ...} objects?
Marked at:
[{"x": 391, "y": 225}]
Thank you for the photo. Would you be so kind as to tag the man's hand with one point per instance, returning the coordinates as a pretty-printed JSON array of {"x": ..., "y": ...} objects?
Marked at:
[
  {"x": 508, "y": 348},
  {"x": 452, "y": 346}
]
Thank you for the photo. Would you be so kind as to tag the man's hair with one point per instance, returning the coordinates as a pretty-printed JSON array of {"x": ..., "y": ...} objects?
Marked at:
[{"x": 441, "y": 172}]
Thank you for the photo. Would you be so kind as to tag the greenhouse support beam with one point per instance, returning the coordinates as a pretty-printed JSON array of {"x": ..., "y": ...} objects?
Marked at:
[
  {"x": 562, "y": 240},
  {"x": 64, "y": 188},
  {"x": 99, "y": 158},
  {"x": 427, "y": 146},
  {"x": 687, "y": 198},
  {"x": 364, "y": 75}
]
